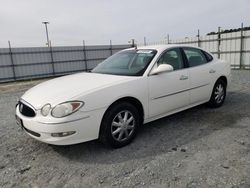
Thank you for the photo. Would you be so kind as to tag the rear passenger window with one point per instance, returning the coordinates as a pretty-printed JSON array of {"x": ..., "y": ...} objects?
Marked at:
[
  {"x": 208, "y": 56},
  {"x": 195, "y": 57}
]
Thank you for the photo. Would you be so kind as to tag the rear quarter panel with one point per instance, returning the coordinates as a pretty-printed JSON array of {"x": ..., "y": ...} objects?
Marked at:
[{"x": 222, "y": 68}]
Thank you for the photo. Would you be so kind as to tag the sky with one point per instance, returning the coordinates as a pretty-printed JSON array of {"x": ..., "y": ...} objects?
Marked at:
[{"x": 99, "y": 21}]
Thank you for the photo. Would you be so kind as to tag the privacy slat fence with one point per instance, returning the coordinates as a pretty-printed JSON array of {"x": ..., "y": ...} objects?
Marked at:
[
  {"x": 233, "y": 47},
  {"x": 39, "y": 62}
]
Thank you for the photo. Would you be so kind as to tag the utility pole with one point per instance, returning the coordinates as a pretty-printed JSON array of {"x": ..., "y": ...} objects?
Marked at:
[
  {"x": 50, "y": 47},
  {"x": 47, "y": 33}
]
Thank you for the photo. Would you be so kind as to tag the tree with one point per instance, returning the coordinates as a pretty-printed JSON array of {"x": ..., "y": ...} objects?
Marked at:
[{"x": 229, "y": 31}]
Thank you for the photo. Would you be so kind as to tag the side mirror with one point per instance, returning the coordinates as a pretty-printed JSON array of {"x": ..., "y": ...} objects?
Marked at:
[{"x": 162, "y": 68}]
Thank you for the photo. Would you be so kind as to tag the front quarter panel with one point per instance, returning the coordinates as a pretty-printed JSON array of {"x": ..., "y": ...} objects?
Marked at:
[{"x": 103, "y": 98}]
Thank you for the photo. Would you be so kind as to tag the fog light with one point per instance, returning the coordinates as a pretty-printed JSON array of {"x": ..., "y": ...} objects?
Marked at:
[{"x": 62, "y": 134}]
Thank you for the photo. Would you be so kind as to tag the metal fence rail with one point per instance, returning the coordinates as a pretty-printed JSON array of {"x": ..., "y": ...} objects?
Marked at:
[
  {"x": 38, "y": 62},
  {"x": 233, "y": 47}
]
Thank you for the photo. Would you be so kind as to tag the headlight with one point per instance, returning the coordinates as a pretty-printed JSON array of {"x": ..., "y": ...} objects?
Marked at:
[
  {"x": 65, "y": 109},
  {"x": 45, "y": 109}
]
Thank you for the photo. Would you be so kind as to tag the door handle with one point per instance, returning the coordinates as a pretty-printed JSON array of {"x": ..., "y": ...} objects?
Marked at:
[
  {"x": 183, "y": 77},
  {"x": 212, "y": 71}
]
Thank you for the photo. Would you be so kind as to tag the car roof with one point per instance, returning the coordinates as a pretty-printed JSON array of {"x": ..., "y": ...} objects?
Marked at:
[
  {"x": 163, "y": 47},
  {"x": 158, "y": 47}
]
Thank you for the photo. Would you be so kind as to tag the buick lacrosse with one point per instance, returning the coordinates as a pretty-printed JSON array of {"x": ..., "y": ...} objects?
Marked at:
[{"x": 130, "y": 88}]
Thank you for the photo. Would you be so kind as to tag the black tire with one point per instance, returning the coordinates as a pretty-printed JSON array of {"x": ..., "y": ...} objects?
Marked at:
[
  {"x": 216, "y": 100},
  {"x": 111, "y": 123}
]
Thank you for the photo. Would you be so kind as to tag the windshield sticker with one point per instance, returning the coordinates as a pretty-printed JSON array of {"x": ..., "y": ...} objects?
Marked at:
[{"x": 144, "y": 51}]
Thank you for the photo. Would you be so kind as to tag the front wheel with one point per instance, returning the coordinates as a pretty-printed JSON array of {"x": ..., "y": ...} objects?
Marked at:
[
  {"x": 218, "y": 95},
  {"x": 119, "y": 125}
]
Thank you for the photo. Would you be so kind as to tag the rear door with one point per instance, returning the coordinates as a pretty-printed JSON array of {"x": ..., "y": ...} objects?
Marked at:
[{"x": 199, "y": 75}]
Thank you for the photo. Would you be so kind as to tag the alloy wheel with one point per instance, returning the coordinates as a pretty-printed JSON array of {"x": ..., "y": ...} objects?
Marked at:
[
  {"x": 123, "y": 126},
  {"x": 219, "y": 93}
]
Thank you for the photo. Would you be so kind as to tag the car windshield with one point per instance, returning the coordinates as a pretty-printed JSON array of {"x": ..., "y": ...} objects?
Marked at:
[{"x": 129, "y": 63}]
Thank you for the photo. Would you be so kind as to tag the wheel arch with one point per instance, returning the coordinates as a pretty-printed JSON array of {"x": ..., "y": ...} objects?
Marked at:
[
  {"x": 224, "y": 78},
  {"x": 212, "y": 102},
  {"x": 132, "y": 100}
]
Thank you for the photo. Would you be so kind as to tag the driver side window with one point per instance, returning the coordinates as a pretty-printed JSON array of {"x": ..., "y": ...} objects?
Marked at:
[{"x": 172, "y": 57}]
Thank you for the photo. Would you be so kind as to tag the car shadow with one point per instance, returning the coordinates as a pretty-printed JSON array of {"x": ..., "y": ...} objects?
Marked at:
[{"x": 163, "y": 135}]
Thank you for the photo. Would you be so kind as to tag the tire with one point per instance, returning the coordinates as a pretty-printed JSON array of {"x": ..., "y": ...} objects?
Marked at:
[
  {"x": 218, "y": 95},
  {"x": 119, "y": 125}
]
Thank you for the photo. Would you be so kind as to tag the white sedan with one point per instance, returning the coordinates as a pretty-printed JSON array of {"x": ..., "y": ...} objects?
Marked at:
[{"x": 130, "y": 88}]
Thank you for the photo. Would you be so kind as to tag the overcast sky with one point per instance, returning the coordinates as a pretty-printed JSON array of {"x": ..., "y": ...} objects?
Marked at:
[{"x": 98, "y": 21}]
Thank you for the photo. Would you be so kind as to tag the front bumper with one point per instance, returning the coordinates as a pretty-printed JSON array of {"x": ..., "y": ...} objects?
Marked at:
[{"x": 86, "y": 128}]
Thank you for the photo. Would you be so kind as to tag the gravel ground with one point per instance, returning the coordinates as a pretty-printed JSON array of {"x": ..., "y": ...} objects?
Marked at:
[{"x": 200, "y": 147}]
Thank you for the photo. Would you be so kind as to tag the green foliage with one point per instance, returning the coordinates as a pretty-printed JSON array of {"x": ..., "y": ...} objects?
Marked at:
[{"x": 229, "y": 31}]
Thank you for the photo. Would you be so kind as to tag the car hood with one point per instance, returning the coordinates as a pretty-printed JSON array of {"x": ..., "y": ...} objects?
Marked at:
[{"x": 65, "y": 88}]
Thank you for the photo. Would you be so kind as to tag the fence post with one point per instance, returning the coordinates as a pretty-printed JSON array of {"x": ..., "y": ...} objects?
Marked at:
[
  {"x": 168, "y": 39},
  {"x": 85, "y": 56},
  {"x": 219, "y": 41},
  {"x": 241, "y": 46},
  {"x": 12, "y": 61},
  {"x": 133, "y": 42},
  {"x": 110, "y": 47},
  {"x": 52, "y": 59},
  {"x": 198, "y": 38}
]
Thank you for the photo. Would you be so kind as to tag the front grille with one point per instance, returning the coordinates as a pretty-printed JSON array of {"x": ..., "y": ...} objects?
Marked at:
[{"x": 26, "y": 110}]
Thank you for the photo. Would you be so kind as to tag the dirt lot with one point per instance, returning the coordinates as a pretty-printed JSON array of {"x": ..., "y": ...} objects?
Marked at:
[{"x": 200, "y": 147}]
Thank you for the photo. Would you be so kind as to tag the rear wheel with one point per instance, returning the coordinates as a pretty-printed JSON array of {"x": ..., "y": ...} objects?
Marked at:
[
  {"x": 218, "y": 95},
  {"x": 119, "y": 125}
]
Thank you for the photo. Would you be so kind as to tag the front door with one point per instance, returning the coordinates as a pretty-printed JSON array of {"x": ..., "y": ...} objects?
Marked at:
[{"x": 168, "y": 91}]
